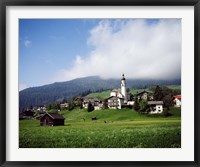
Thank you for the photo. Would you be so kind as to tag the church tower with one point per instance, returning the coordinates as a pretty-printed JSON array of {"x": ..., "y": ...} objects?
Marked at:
[{"x": 123, "y": 88}]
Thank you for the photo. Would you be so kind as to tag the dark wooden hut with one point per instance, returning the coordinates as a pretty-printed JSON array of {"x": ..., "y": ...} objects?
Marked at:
[{"x": 52, "y": 120}]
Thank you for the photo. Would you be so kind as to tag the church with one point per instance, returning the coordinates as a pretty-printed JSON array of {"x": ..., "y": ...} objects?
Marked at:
[{"x": 119, "y": 97}]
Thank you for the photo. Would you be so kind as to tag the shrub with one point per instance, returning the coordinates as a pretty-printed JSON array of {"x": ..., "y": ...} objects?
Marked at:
[
  {"x": 136, "y": 105},
  {"x": 165, "y": 112},
  {"x": 71, "y": 105},
  {"x": 143, "y": 106}
]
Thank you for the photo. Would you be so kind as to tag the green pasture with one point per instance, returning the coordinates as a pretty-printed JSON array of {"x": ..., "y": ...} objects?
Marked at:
[
  {"x": 101, "y": 95},
  {"x": 113, "y": 129}
]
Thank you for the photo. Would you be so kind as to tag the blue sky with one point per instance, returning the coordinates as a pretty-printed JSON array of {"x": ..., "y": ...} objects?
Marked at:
[
  {"x": 53, "y": 50},
  {"x": 48, "y": 45}
]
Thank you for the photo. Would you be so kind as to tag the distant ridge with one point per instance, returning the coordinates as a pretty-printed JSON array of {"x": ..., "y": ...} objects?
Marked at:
[{"x": 60, "y": 91}]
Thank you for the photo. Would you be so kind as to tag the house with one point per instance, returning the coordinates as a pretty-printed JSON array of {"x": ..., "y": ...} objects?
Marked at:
[
  {"x": 52, "y": 120},
  {"x": 117, "y": 93},
  {"x": 40, "y": 110},
  {"x": 64, "y": 106},
  {"x": 78, "y": 101},
  {"x": 94, "y": 101},
  {"x": 155, "y": 107},
  {"x": 115, "y": 102},
  {"x": 145, "y": 95},
  {"x": 177, "y": 100}
]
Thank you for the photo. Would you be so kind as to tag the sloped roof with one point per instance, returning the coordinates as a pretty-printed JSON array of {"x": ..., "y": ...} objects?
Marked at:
[
  {"x": 155, "y": 102},
  {"x": 177, "y": 96},
  {"x": 115, "y": 97},
  {"x": 143, "y": 92},
  {"x": 54, "y": 116},
  {"x": 116, "y": 90}
]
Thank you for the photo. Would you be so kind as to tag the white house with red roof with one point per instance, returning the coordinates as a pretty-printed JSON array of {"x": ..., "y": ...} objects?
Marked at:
[{"x": 177, "y": 100}]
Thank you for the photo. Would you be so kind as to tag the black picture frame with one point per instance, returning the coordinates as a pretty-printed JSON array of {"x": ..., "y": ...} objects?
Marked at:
[{"x": 5, "y": 3}]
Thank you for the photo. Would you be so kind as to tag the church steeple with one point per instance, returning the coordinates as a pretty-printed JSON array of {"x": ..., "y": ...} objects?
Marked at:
[
  {"x": 123, "y": 77},
  {"x": 123, "y": 88}
]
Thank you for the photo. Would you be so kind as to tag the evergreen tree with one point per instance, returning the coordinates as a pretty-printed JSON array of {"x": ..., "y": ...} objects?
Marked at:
[
  {"x": 105, "y": 104},
  {"x": 49, "y": 107},
  {"x": 71, "y": 105},
  {"x": 81, "y": 105},
  {"x": 167, "y": 100},
  {"x": 136, "y": 105},
  {"x": 158, "y": 94},
  {"x": 90, "y": 107}
]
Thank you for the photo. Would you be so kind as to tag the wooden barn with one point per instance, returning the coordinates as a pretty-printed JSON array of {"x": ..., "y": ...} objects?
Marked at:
[{"x": 52, "y": 120}]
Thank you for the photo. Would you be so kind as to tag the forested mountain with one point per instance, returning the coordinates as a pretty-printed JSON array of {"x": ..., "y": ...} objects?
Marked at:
[{"x": 61, "y": 91}]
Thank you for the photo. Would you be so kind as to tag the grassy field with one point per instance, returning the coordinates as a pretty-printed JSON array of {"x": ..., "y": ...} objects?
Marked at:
[
  {"x": 113, "y": 129},
  {"x": 178, "y": 87},
  {"x": 101, "y": 95}
]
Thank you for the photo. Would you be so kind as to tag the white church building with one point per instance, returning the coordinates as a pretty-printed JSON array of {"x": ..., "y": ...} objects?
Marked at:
[{"x": 119, "y": 97}]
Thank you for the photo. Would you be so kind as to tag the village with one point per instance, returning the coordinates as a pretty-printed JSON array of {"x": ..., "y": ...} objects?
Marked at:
[{"x": 119, "y": 98}]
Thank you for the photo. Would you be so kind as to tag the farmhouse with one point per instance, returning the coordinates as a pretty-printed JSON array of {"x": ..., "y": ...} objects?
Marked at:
[
  {"x": 155, "y": 107},
  {"x": 52, "y": 120},
  {"x": 78, "y": 101},
  {"x": 40, "y": 110},
  {"x": 117, "y": 93},
  {"x": 64, "y": 106},
  {"x": 115, "y": 102},
  {"x": 144, "y": 95},
  {"x": 177, "y": 100},
  {"x": 94, "y": 101}
]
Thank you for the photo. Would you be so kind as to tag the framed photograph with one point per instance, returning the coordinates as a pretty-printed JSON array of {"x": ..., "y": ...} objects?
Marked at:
[{"x": 87, "y": 83}]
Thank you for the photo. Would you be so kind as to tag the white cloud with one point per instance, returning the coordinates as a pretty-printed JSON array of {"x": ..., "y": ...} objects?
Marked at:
[
  {"x": 138, "y": 48},
  {"x": 27, "y": 43}
]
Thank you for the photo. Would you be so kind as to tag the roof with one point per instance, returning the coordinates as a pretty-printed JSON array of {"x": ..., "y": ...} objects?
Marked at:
[
  {"x": 143, "y": 92},
  {"x": 77, "y": 98},
  {"x": 115, "y": 97},
  {"x": 177, "y": 96},
  {"x": 54, "y": 116},
  {"x": 155, "y": 102},
  {"x": 116, "y": 90}
]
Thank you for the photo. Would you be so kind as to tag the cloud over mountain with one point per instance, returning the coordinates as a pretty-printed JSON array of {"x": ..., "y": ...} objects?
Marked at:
[{"x": 140, "y": 48}]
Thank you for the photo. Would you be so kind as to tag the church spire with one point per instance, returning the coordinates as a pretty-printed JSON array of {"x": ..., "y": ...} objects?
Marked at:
[
  {"x": 123, "y": 88},
  {"x": 123, "y": 77}
]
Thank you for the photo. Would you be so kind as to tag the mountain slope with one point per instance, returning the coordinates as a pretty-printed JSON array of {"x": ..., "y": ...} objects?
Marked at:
[{"x": 57, "y": 92}]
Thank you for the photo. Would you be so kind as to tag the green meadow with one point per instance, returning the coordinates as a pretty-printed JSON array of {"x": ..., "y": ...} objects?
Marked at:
[{"x": 124, "y": 128}]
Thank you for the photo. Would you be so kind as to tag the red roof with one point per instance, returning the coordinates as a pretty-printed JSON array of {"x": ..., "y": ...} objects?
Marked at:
[{"x": 177, "y": 96}]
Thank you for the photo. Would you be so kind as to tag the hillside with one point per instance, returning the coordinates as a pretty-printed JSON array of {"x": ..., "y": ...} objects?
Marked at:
[
  {"x": 101, "y": 95},
  {"x": 105, "y": 94},
  {"x": 108, "y": 115},
  {"x": 61, "y": 91}
]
